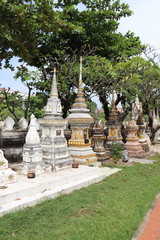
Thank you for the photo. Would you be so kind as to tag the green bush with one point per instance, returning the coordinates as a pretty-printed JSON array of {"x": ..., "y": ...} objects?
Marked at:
[{"x": 116, "y": 150}]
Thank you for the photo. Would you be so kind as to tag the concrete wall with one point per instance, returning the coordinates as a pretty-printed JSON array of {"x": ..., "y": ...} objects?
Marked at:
[{"x": 11, "y": 142}]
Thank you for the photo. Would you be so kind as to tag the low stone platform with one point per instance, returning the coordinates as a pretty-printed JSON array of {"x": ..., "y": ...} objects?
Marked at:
[
  {"x": 29, "y": 192},
  {"x": 141, "y": 160}
]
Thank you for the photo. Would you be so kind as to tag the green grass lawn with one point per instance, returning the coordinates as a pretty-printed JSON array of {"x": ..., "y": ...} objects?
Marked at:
[{"x": 110, "y": 210}]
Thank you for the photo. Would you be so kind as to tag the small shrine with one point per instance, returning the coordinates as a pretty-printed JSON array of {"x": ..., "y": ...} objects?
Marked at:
[
  {"x": 32, "y": 152},
  {"x": 55, "y": 151},
  {"x": 98, "y": 140},
  {"x": 7, "y": 175},
  {"x": 136, "y": 106},
  {"x": 132, "y": 145},
  {"x": 114, "y": 127},
  {"x": 79, "y": 121},
  {"x": 143, "y": 138}
]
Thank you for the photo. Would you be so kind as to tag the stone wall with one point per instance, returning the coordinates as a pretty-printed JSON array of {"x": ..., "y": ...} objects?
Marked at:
[{"x": 11, "y": 142}]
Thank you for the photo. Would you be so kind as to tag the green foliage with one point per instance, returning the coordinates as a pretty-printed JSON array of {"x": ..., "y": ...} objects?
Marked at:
[
  {"x": 116, "y": 151},
  {"x": 11, "y": 106},
  {"x": 15, "y": 106},
  {"x": 45, "y": 31},
  {"x": 142, "y": 77},
  {"x": 38, "y": 30},
  {"x": 28, "y": 27},
  {"x": 101, "y": 211},
  {"x": 101, "y": 116},
  {"x": 37, "y": 104},
  {"x": 92, "y": 106}
]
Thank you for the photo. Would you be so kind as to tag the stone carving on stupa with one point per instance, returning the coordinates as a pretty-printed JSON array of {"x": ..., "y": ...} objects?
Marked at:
[
  {"x": 132, "y": 145},
  {"x": 156, "y": 118},
  {"x": 114, "y": 127},
  {"x": 143, "y": 137},
  {"x": 55, "y": 151},
  {"x": 32, "y": 151},
  {"x": 7, "y": 175},
  {"x": 79, "y": 120},
  {"x": 136, "y": 106},
  {"x": 98, "y": 140}
]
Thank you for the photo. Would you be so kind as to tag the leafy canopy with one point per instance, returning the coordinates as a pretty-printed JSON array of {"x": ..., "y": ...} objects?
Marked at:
[{"x": 40, "y": 29}]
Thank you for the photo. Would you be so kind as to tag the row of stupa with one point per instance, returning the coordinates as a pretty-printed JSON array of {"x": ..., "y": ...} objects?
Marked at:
[{"x": 50, "y": 151}]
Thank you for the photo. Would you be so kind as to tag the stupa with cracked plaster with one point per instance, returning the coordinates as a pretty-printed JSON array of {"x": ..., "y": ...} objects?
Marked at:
[
  {"x": 98, "y": 140},
  {"x": 55, "y": 151},
  {"x": 132, "y": 145},
  {"x": 114, "y": 128},
  {"x": 32, "y": 152},
  {"x": 143, "y": 138}
]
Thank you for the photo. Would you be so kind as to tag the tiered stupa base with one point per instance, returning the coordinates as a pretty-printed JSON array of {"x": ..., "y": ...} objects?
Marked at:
[
  {"x": 143, "y": 138},
  {"x": 55, "y": 151},
  {"x": 144, "y": 145},
  {"x": 56, "y": 154},
  {"x": 98, "y": 140},
  {"x": 134, "y": 148},
  {"x": 102, "y": 156},
  {"x": 82, "y": 153},
  {"x": 32, "y": 160}
]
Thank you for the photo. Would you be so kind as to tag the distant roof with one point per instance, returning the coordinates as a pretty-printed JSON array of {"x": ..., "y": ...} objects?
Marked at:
[{"x": 12, "y": 91}]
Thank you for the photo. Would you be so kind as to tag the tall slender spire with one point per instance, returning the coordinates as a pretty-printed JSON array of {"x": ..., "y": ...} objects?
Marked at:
[
  {"x": 113, "y": 99},
  {"x": 54, "y": 92},
  {"x": 79, "y": 104},
  {"x": 80, "y": 89},
  {"x": 53, "y": 107},
  {"x": 113, "y": 116}
]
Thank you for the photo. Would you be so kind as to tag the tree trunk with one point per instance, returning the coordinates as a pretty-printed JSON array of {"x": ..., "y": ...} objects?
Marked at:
[
  {"x": 28, "y": 102},
  {"x": 105, "y": 106}
]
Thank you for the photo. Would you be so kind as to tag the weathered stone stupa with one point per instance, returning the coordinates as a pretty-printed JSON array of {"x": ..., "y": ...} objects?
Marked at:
[
  {"x": 143, "y": 138},
  {"x": 32, "y": 152},
  {"x": 114, "y": 127},
  {"x": 132, "y": 145},
  {"x": 79, "y": 121},
  {"x": 54, "y": 145},
  {"x": 98, "y": 140}
]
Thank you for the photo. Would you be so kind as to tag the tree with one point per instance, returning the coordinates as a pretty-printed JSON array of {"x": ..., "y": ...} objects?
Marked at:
[
  {"x": 27, "y": 28},
  {"x": 142, "y": 77},
  {"x": 42, "y": 32},
  {"x": 11, "y": 105},
  {"x": 37, "y": 30}
]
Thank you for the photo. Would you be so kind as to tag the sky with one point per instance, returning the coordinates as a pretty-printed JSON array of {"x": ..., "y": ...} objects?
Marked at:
[{"x": 144, "y": 23}]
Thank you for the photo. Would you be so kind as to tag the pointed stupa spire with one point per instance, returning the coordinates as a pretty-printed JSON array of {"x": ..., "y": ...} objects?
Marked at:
[
  {"x": 80, "y": 89},
  {"x": 53, "y": 107},
  {"x": 54, "y": 92},
  {"x": 113, "y": 116},
  {"x": 32, "y": 136},
  {"x": 113, "y": 100},
  {"x": 80, "y": 100}
]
